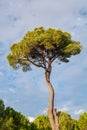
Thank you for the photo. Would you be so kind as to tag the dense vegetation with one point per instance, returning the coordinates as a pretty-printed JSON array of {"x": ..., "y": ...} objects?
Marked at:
[{"x": 12, "y": 120}]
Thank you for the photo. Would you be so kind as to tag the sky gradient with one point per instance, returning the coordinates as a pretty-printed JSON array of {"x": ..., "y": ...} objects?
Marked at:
[{"x": 27, "y": 92}]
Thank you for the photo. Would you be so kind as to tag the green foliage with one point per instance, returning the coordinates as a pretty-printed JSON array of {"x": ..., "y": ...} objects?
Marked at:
[
  {"x": 42, "y": 123},
  {"x": 2, "y": 113},
  {"x": 82, "y": 122},
  {"x": 2, "y": 107},
  {"x": 12, "y": 120},
  {"x": 19, "y": 121},
  {"x": 66, "y": 122},
  {"x": 42, "y": 45},
  {"x": 8, "y": 124},
  {"x": 33, "y": 126}
]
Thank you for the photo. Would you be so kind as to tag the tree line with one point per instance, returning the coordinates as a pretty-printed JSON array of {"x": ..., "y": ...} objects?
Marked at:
[{"x": 13, "y": 120}]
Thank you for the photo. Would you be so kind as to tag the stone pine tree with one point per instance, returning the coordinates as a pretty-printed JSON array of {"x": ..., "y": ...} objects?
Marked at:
[{"x": 41, "y": 47}]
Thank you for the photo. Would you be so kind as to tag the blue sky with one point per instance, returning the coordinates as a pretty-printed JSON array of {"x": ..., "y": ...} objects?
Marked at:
[{"x": 27, "y": 92}]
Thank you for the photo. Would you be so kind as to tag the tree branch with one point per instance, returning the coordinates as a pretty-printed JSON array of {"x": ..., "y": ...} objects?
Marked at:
[
  {"x": 54, "y": 57},
  {"x": 27, "y": 60},
  {"x": 38, "y": 65}
]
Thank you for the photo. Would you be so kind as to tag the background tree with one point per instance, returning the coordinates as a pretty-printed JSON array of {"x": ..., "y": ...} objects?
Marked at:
[
  {"x": 42, "y": 123},
  {"x": 41, "y": 48},
  {"x": 67, "y": 123},
  {"x": 82, "y": 122},
  {"x": 20, "y": 122},
  {"x": 12, "y": 120}
]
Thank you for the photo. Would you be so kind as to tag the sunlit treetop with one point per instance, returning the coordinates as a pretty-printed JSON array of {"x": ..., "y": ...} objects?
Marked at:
[{"x": 40, "y": 46}]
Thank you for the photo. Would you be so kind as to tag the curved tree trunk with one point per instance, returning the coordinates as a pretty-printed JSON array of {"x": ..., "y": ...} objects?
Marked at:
[{"x": 52, "y": 113}]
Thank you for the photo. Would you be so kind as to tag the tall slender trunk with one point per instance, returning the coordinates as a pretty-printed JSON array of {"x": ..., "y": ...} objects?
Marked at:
[{"x": 52, "y": 113}]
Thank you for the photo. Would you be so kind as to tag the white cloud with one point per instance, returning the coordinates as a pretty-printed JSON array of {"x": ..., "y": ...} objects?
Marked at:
[
  {"x": 65, "y": 109},
  {"x": 78, "y": 112},
  {"x": 66, "y": 106},
  {"x": 31, "y": 119}
]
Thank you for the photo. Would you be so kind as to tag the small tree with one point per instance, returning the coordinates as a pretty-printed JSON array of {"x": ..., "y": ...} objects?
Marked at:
[{"x": 41, "y": 48}]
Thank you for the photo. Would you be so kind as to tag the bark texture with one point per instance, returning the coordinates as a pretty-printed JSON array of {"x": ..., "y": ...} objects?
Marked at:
[{"x": 52, "y": 113}]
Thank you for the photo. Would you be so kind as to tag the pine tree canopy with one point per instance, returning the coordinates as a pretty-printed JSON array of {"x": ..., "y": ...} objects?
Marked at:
[{"x": 42, "y": 45}]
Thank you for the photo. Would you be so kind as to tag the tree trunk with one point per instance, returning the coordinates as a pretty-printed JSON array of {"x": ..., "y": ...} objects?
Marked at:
[{"x": 52, "y": 113}]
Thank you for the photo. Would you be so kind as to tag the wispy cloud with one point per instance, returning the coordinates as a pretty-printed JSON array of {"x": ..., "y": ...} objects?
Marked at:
[
  {"x": 65, "y": 109},
  {"x": 11, "y": 90},
  {"x": 78, "y": 112}
]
